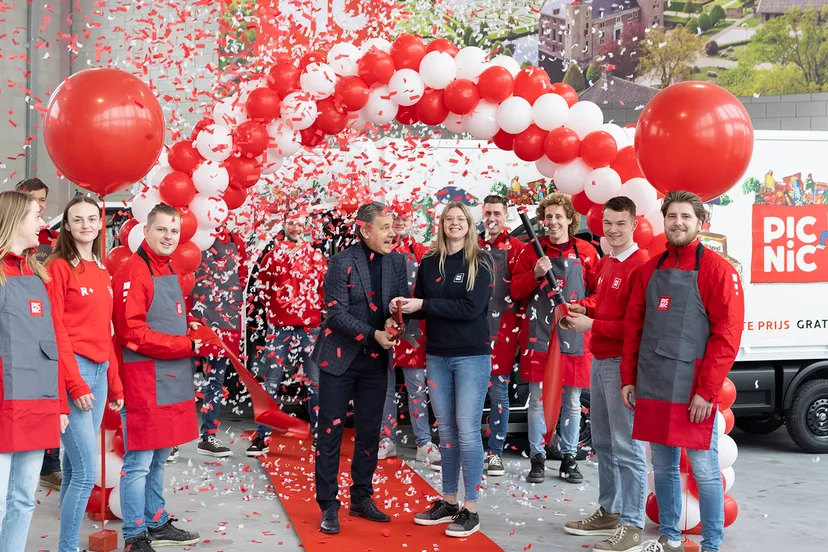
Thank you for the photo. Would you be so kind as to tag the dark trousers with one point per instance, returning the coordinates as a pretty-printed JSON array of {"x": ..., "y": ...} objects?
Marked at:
[
  {"x": 51, "y": 462},
  {"x": 365, "y": 381}
]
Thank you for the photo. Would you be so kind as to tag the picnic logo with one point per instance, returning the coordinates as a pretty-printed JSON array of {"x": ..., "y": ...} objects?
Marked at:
[
  {"x": 561, "y": 283},
  {"x": 616, "y": 284},
  {"x": 178, "y": 309},
  {"x": 664, "y": 303},
  {"x": 789, "y": 243},
  {"x": 36, "y": 308}
]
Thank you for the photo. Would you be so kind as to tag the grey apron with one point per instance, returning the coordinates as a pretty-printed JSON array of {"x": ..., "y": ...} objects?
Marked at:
[
  {"x": 412, "y": 327},
  {"x": 501, "y": 302}
]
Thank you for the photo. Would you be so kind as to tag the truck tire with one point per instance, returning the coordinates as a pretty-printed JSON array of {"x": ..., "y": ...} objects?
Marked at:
[
  {"x": 761, "y": 425},
  {"x": 807, "y": 419}
]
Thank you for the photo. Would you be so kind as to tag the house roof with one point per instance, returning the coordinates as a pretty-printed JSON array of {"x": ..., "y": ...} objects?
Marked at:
[
  {"x": 780, "y": 6},
  {"x": 612, "y": 90}
]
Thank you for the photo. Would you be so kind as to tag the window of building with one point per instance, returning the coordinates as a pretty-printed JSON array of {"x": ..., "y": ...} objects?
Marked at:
[
  {"x": 601, "y": 38},
  {"x": 617, "y": 34}
]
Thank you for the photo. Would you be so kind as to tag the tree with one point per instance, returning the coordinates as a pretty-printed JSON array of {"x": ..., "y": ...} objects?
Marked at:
[
  {"x": 799, "y": 37},
  {"x": 624, "y": 54},
  {"x": 746, "y": 80},
  {"x": 711, "y": 48},
  {"x": 692, "y": 26},
  {"x": 238, "y": 32},
  {"x": 670, "y": 55},
  {"x": 689, "y": 7},
  {"x": 575, "y": 78},
  {"x": 717, "y": 14},
  {"x": 704, "y": 22},
  {"x": 593, "y": 72}
]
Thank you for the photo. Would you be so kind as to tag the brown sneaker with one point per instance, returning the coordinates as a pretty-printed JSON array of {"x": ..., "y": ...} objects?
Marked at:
[
  {"x": 663, "y": 546},
  {"x": 52, "y": 481},
  {"x": 599, "y": 523},
  {"x": 626, "y": 538}
]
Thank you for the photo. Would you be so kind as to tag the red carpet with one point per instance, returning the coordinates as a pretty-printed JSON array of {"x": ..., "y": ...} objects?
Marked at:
[{"x": 398, "y": 490}]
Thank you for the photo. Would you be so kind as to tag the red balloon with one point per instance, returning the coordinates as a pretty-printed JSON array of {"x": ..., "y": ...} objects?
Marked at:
[
  {"x": 283, "y": 78},
  {"x": 583, "y": 204},
  {"x": 504, "y": 140},
  {"x": 184, "y": 157},
  {"x": 407, "y": 52},
  {"x": 251, "y": 138},
  {"x": 314, "y": 56},
  {"x": 244, "y": 172},
  {"x": 652, "y": 507},
  {"x": 598, "y": 149},
  {"x": 375, "y": 67},
  {"x": 531, "y": 83},
  {"x": 731, "y": 510},
  {"x": 562, "y": 145},
  {"x": 189, "y": 224},
  {"x": 118, "y": 256},
  {"x": 187, "y": 283},
  {"x": 657, "y": 246},
  {"x": 528, "y": 145},
  {"x": 595, "y": 220},
  {"x": 118, "y": 443},
  {"x": 727, "y": 394},
  {"x": 684, "y": 462},
  {"x": 442, "y": 45},
  {"x": 643, "y": 234},
  {"x": 234, "y": 197},
  {"x": 730, "y": 420},
  {"x": 186, "y": 257},
  {"x": 461, "y": 96},
  {"x": 407, "y": 115},
  {"x": 205, "y": 122},
  {"x": 352, "y": 93},
  {"x": 694, "y": 136},
  {"x": 177, "y": 189},
  {"x": 103, "y": 129},
  {"x": 263, "y": 104},
  {"x": 111, "y": 420},
  {"x": 566, "y": 92},
  {"x": 431, "y": 109},
  {"x": 496, "y": 84},
  {"x": 96, "y": 499},
  {"x": 312, "y": 137},
  {"x": 331, "y": 119},
  {"x": 626, "y": 164},
  {"x": 123, "y": 233}
]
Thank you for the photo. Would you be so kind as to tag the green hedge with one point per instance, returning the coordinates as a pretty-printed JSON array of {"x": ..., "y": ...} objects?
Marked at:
[{"x": 679, "y": 6}]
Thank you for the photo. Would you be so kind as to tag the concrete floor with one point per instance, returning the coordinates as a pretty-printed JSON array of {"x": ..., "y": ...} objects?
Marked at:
[{"x": 779, "y": 491}]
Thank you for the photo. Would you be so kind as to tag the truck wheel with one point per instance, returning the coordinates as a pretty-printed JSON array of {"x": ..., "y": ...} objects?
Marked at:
[
  {"x": 807, "y": 419},
  {"x": 760, "y": 426}
]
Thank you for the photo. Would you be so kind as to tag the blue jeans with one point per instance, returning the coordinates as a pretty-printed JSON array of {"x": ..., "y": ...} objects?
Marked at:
[
  {"x": 19, "y": 475},
  {"x": 80, "y": 454},
  {"x": 622, "y": 461},
  {"x": 291, "y": 348},
  {"x": 214, "y": 370},
  {"x": 705, "y": 466},
  {"x": 51, "y": 462},
  {"x": 415, "y": 384},
  {"x": 570, "y": 420},
  {"x": 457, "y": 386},
  {"x": 142, "y": 488},
  {"x": 498, "y": 413}
]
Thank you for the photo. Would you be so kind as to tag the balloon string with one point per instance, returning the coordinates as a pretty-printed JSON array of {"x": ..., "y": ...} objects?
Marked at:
[{"x": 103, "y": 432}]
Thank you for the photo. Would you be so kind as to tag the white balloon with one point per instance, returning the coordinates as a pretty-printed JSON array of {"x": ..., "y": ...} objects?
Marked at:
[
  {"x": 215, "y": 142},
  {"x": 642, "y": 194},
  {"x": 546, "y": 167},
  {"x": 157, "y": 174},
  {"x": 720, "y": 423},
  {"x": 318, "y": 80},
  {"x": 728, "y": 451},
  {"x": 656, "y": 218},
  {"x": 569, "y": 178},
  {"x": 607, "y": 249},
  {"x": 114, "y": 463},
  {"x": 471, "y": 61},
  {"x": 109, "y": 433},
  {"x": 514, "y": 115},
  {"x": 584, "y": 117},
  {"x": 482, "y": 121},
  {"x": 115, "y": 502},
  {"x": 618, "y": 134},
  {"x": 271, "y": 161},
  {"x": 380, "y": 108},
  {"x": 143, "y": 203},
  {"x": 342, "y": 58},
  {"x": 507, "y": 62},
  {"x": 285, "y": 140},
  {"x": 298, "y": 111},
  {"x": 379, "y": 43},
  {"x": 690, "y": 513},
  {"x": 210, "y": 212},
  {"x": 601, "y": 185},
  {"x": 550, "y": 111},
  {"x": 729, "y": 477},
  {"x": 438, "y": 69},
  {"x": 456, "y": 123},
  {"x": 203, "y": 238},
  {"x": 211, "y": 178},
  {"x": 229, "y": 112},
  {"x": 136, "y": 237},
  {"x": 406, "y": 87}
]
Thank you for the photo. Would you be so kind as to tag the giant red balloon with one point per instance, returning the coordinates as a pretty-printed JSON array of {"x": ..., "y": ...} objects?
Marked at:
[
  {"x": 123, "y": 232},
  {"x": 352, "y": 93},
  {"x": 375, "y": 67},
  {"x": 442, "y": 45},
  {"x": 583, "y": 204},
  {"x": 566, "y": 92},
  {"x": 330, "y": 119},
  {"x": 117, "y": 256},
  {"x": 184, "y": 157},
  {"x": 263, "y": 104},
  {"x": 643, "y": 234},
  {"x": 461, "y": 96},
  {"x": 177, "y": 189},
  {"x": 251, "y": 138},
  {"x": 658, "y": 245},
  {"x": 186, "y": 257},
  {"x": 727, "y": 395},
  {"x": 283, "y": 78},
  {"x": 598, "y": 149},
  {"x": 234, "y": 197},
  {"x": 626, "y": 164},
  {"x": 189, "y": 225},
  {"x": 496, "y": 84},
  {"x": 407, "y": 52},
  {"x": 244, "y": 172},
  {"x": 694, "y": 136},
  {"x": 103, "y": 129},
  {"x": 562, "y": 145},
  {"x": 595, "y": 220},
  {"x": 431, "y": 109},
  {"x": 531, "y": 83},
  {"x": 528, "y": 145}
]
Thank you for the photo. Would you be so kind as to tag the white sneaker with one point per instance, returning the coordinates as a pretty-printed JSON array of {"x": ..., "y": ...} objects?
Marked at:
[
  {"x": 430, "y": 454},
  {"x": 387, "y": 449}
]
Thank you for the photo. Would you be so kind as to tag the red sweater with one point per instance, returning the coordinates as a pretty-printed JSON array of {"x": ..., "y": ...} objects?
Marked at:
[
  {"x": 724, "y": 300},
  {"x": 608, "y": 305},
  {"x": 291, "y": 279},
  {"x": 82, "y": 297}
]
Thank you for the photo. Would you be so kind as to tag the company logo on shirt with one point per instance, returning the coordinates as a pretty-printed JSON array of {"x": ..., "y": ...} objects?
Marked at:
[
  {"x": 178, "y": 309},
  {"x": 36, "y": 308},
  {"x": 561, "y": 282},
  {"x": 664, "y": 303},
  {"x": 86, "y": 291},
  {"x": 572, "y": 255},
  {"x": 459, "y": 277},
  {"x": 616, "y": 284}
]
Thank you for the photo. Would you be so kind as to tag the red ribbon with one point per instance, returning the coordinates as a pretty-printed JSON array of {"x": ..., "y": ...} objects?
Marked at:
[{"x": 553, "y": 378}]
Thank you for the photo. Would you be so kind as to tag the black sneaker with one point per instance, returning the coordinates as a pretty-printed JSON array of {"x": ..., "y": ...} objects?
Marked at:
[
  {"x": 214, "y": 447},
  {"x": 440, "y": 512},
  {"x": 173, "y": 455},
  {"x": 569, "y": 469},
  {"x": 536, "y": 474},
  {"x": 140, "y": 543},
  {"x": 257, "y": 447},
  {"x": 170, "y": 535},
  {"x": 495, "y": 467},
  {"x": 366, "y": 508},
  {"x": 465, "y": 524}
]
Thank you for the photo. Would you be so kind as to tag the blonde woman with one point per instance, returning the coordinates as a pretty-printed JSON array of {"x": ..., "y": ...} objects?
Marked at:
[
  {"x": 452, "y": 295},
  {"x": 33, "y": 405}
]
